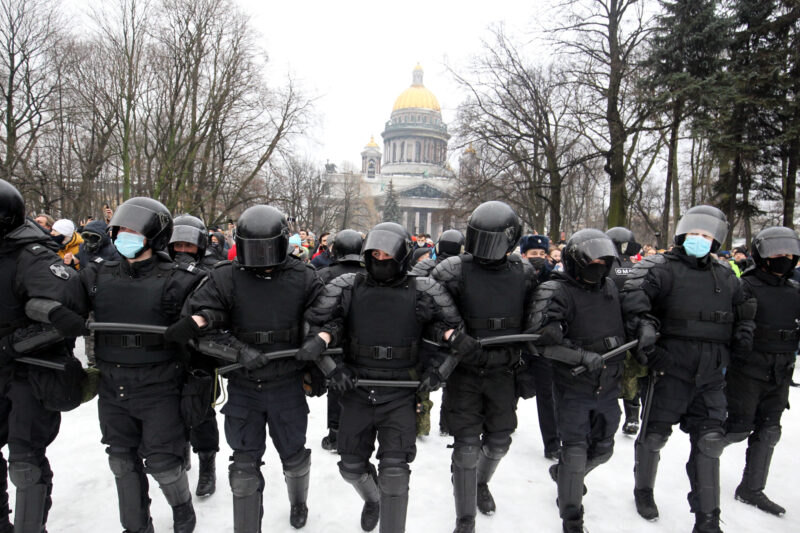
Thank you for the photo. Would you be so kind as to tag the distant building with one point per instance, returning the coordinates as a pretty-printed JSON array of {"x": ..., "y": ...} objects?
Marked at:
[{"x": 414, "y": 159}]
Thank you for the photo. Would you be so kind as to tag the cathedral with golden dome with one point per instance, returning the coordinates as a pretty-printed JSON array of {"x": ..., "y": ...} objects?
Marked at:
[{"x": 414, "y": 159}]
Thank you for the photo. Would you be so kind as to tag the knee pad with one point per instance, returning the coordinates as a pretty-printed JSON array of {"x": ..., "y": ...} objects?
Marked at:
[
  {"x": 602, "y": 451},
  {"x": 24, "y": 475},
  {"x": 466, "y": 451},
  {"x": 245, "y": 479},
  {"x": 169, "y": 476},
  {"x": 299, "y": 464},
  {"x": 121, "y": 464},
  {"x": 353, "y": 470},
  {"x": 394, "y": 475},
  {"x": 769, "y": 435},
  {"x": 159, "y": 463},
  {"x": 654, "y": 442},
  {"x": 496, "y": 445},
  {"x": 711, "y": 444}
]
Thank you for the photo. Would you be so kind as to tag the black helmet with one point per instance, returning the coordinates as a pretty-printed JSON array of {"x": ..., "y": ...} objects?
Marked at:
[
  {"x": 147, "y": 216},
  {"x": 451, "y": 243},
  {"x": 706, "y": 218},
  {"x": 262, "y": 237},
  {"x": 775, "y": 240},
  {"x": 393, "y": 239},
  {"x": 12, "y": 208},
  {"x": 347, "y": 245},
  {"x": 584, "y": 247},
  {"x": 493, "y": 230},
  {"x": 624, "y": 241},
  {"x": 188, "y": 228}
]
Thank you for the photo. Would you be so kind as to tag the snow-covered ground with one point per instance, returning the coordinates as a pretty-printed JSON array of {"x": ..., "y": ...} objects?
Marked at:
[{"x": 85, "y": 500}]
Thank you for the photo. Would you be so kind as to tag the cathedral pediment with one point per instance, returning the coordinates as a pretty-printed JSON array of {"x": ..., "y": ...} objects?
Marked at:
[{"x": 423, "y": 191}]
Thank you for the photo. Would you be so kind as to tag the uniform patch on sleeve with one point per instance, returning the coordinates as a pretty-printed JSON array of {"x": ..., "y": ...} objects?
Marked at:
[{"x": 59, "y": 271}]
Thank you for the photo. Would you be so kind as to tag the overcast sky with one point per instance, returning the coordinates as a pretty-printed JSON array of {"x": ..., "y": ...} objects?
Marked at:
[{"x": 358, "y": 56}]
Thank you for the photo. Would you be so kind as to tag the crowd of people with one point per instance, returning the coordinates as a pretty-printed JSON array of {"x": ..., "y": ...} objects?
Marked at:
[{"x": 378, "y": 321}]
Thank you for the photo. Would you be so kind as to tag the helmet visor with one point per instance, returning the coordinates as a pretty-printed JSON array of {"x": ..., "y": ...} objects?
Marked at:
[
  {"x": 778, "y": 246},
  {"x": 596, "y": 249},
  {"x": 262, "y": 252},
  {"x": 387, "y": 241},
  {"x": 694, "y": 222},
  {"x": 145, "y": 221},
  {"x": 187, "y": 234},
  {"x": 489, "y": 245}
]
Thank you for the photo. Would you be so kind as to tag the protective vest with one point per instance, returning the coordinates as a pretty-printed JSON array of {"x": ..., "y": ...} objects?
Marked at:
[
  {"x": 383, "y": 330},
  {"x": 619, "y": 272},
  {"x": 337, "y": 269},
  {"x": 493, "y": 300},
  {"x": 12, "y": 309},
  {"x": 267, "y": 313},
  {"x": 778, "y": 308},
  {"x": 145, "y": 299},
  {"x": 699, "y": 306}
]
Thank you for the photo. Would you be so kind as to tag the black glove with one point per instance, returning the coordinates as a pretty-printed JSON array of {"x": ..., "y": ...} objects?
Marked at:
[
  {"x": 550, "y": 334},
  {"x": 68, "y": 322},
  {"x": 463, "y": 345},
  {"x": 660, "y": 360},
  {"x": 252, "y": 358},
  {"x": 341, "y": 379},
  {"x": 647, "y": 337},
  {"x": 591, "y": 360},
  {"x": 311, "y": 349},
  {"x": 430, "y": 381},
  {"x": 7, "y": 351},
  {"x": 182, "y": 331}
]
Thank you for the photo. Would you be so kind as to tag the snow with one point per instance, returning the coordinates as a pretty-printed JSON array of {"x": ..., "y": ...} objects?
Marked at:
[{"x": 85, "y": 500}]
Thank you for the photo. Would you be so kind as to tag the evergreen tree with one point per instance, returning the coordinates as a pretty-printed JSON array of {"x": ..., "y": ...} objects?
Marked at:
[{"x": 391, "y": 209}]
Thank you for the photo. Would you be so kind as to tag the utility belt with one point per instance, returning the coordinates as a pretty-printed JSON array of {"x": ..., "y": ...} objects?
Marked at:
[
  {"x": 717, "y": 317},
  {"x": 600, "y": 346},
  {"x": 363, "y": 351},
  {"x": 140, "y": 341},
  {"x": 493, "y": 324},
  {"x": 278, "y": 336},
  {"x": 763, "y": 333}
]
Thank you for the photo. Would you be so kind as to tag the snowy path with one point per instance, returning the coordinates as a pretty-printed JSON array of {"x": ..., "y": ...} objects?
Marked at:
[{"x": 85, "y": 500}]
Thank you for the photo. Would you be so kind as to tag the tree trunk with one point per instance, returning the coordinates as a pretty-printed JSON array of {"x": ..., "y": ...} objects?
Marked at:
[
  {"x": 615, "y": 158},
  {"x": 790, "y": 188}
]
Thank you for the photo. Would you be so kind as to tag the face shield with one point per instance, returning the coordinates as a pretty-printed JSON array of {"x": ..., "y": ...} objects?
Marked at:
[
  {"x": 779, "y": 245},
  {"x": 140, "y": 219},
  {"x": 488, "y": 245},
  {"x": 188, "y": 234},
  {"x": 262, "y": 253},
  {"x": 390, "y": 242},
  {"x": 694, "y": 222}
]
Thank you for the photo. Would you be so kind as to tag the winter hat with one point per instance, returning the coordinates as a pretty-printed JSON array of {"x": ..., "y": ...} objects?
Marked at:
[
  {"x": 64, "y": 227},
  {"x": 531, "y": 242}
]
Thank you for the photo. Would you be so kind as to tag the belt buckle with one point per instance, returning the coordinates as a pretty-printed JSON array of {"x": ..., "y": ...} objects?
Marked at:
[
  {"x": 787, "y": 334},
  {"x": 610, "y": 342},
  {"x": 131, "y": 341},
  {"x": 720, "y": 317},
  {"x": 497, "y": 323},
  {"x": 382, "y": 352},
  {"x": 265, "y": 337}
]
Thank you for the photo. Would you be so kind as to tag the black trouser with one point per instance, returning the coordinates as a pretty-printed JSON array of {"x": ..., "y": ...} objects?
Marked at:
[
  {"x": 139, "y": 411},
  {"x": 754, "y": 404},
  {"x": 253, "y": 406},
  {"x": 586, "y": 420},
  {"x": 545, "y": 405},
  {"x": 334, "y": 409},
  {"x": 393, "y": 423},
  {"x": 28, "y": 429},
  {"x": 204, "y": 437},
  {"x": 480, "y": 401}
]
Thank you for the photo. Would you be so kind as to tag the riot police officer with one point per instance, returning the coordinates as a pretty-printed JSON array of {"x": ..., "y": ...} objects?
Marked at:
[
  {"x": 187, "y": 246},
  {"x": 346, "y": 250},
  {"x": 493, "y": 291},
  {"x": 264, "y": 292},
  {"x": 142, "y": 373},
  {"x": 379, "y": 317},
  {"x": 700, "y": 310},
  {"x": 578, "y": 314},
  {"x": 626, "y": 245},
  {"x": 450, "y": 244},
  {"x": 29, "y": 268},
  {"x": 758, "y": 379}
]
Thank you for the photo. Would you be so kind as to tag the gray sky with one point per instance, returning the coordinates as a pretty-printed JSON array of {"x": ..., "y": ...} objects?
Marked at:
[{"x": 358, "y": 56}]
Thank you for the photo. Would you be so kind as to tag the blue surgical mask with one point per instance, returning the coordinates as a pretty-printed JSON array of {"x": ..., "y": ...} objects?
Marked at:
[
  {"x": 129, "y": 244},
  {"x": 696, "y": 246}
]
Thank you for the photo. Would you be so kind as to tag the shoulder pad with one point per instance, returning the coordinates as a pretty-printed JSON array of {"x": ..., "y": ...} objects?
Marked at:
[
  {"x": 425, "y": 283},
  {"x": 423, "y": 268},
  {"x": 547, "y": 289},
  {"x": 344, "y": 281},
  {"x": 651, "y": 260},
  {"x": 449, "y": 269},
  {"x": 221, "y": 264},
  {"x": 37, "y": 249},
  {"x": 543, "y": 295},
  {"x": 641, "y": 268}
]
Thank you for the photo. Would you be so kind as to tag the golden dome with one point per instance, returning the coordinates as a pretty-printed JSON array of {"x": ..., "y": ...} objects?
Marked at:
[
  {"x": 417, "y": 96},
  {"x": 372, "y": 143}
]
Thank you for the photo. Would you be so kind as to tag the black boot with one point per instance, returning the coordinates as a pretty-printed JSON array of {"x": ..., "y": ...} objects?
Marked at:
[
  {"x": 31, "y": 504},
  {"x": 645, "y": 504},
  {"x": 464, "y": 469},
  {"x": 393, "y": 483},
  {"x": 754, "y": 479},
  {"x": 571, "y": 471},
  {"x": 572, "y": 526},
  {"x": 488, "y": 460},
  {"x": 296, "y": 471},
  {"x": 631, "y": 425},
  {"x": 183, "y": 518},
  {"x": 707, "y": 522},
  {"x": 647, "y": 454},
  {"x": 298, "y": 515},
  {"x": 486, "y": 503},
  {"x": 329, "y": 440},
  {"x": 207, "y": 479},
  {"x": 370, "y": 515},
  {"x": 465, "y": 524},
  {"x": 366, "y": 485},
  {"x": 174, "y": 483}
]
